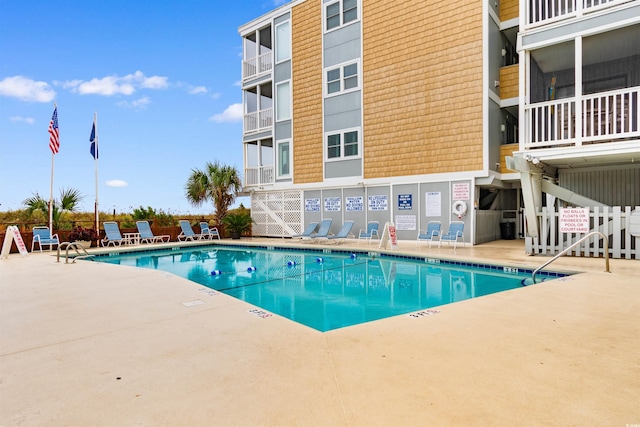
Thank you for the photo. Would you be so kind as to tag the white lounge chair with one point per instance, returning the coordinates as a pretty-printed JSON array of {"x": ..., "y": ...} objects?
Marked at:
[
  {"x": 208, "y": 232},
  {"x": 344, "y": 233},
  {"x": 147, "y": 236},
  {"x": 112, "y": 235},
  {"x": 187, "y": 232}
]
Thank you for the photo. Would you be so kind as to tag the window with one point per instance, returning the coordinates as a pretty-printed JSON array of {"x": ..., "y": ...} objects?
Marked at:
[
  {"x": 342, "y": 79},
  {"x": 351, "y": 144},
  {"x": 333, "y": 146},
  {"x": 349, "y": 11},
  {"x": 341, "y": 13},
  {"x": 333, "y": 81},
  {"x": 350, "y": 76},
  {"x": 283, "y": 101},
  {"x": 343, "y": 145},
  {"x": 283, "y": 42},
  {"x": 284, "y": 159}
]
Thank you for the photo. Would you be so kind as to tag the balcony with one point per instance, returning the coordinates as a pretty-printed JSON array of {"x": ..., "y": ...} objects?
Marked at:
[
  {"x": 258, "y": 175},
  {"x": 259, "y": 120},
  {"x": 256, "y": 66},
  {"x": 605, "y": 117},
  {"x": 542, "y": 12}
]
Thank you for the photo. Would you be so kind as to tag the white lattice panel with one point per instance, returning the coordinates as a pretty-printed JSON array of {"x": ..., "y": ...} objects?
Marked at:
[{"x": 277, "y": 213}]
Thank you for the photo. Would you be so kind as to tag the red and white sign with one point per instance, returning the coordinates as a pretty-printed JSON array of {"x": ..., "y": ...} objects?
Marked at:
[
  {"x": 13, "y": 235},
  {"x": 460, "y": 191},
  {"x": 574, "y": 220},
  {"x": 388, "y": 235},
  {"x": 392, "y": 236}
]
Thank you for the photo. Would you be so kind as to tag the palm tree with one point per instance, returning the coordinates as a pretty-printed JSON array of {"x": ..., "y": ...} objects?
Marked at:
[
  {"x": 69, "y": 200},
  {"x": 217, "y": 183}
]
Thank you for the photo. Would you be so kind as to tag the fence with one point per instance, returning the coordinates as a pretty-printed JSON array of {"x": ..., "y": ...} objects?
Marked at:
[
  {"x": 612, "y": 221},
  {"x": 172, "y": 231}
]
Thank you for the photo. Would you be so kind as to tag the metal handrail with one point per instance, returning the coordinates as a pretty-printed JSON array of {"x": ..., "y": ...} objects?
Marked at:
[
  {"x": 72, "y": 245},
  {"x": 606, "y": 253}
]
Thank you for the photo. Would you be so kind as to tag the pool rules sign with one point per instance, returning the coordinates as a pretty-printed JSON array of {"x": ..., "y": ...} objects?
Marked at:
[{"x": 574, "y": 220}]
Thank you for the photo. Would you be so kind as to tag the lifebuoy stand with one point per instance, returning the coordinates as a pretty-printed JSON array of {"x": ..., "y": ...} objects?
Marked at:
[{"x": 459, "y": 208}]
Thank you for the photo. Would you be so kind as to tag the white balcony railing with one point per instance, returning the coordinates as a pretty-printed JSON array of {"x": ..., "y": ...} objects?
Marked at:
[
  {"x": 605, "y": 117},
  {"x": 258, "y": 120},
  {"x": 255, "y": 66},
  {"x": 542, "y": 12},
  {"x": 258, "y": 175}
]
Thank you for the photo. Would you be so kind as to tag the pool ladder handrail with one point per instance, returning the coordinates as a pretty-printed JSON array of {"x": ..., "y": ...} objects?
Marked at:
[
  {"x": 606, "y": 253},
  {"x": 72, "y": 245}
]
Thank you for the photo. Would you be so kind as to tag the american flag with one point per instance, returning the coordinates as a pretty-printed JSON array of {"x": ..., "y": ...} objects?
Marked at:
[{"x": 54, "y": 139}]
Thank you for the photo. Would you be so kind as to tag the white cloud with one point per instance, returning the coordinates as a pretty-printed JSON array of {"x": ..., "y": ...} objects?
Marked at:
[
  {"x": 115, "y": 85},
  {"x": 139, "y": 104},
  {"x": 26, "y": 89},
  {"x": 232, "y": 114},
  {"x": 18, "y": 119},
  {"x": 197, "y": 89},
  {"x": 105, "y": 86},
  {"x": 116, "y": 183},
  {"x": 153, "y": 82}
]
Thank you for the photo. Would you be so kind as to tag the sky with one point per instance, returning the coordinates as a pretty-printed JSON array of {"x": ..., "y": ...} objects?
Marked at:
[{"x": 163, "y": 77}]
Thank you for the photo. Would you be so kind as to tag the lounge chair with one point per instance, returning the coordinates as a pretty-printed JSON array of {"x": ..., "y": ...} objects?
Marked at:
[
  {"x": 456, "y": 229},
  {"x": 187, "y": 232},
  {"x": 208, "y": 232},
  {"x": 112, "y": 235},
  {"x": 433, "y": 231},
  {"x": 308, "y": 231},
  {"x": 344, "y": 233},
  {"x": 370, "y": 232},
  {"x": 42, "y": 236},
  {"x": 323, "y": 231},
  {"x": 147, "y": 236}
]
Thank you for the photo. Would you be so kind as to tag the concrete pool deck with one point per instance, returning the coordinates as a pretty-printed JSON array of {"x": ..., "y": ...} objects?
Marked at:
[{"x": 92, "y": 344}]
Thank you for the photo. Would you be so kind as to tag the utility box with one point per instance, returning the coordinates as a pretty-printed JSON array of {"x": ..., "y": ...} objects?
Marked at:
[{"x": 507, "y": 230}]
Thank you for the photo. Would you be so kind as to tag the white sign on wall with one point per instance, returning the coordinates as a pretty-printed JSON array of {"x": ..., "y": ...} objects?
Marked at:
[
  {"x": 405, "y": 222},
  {"x": 378, "y": 203},
  {"x": 352, "y": 204},
  {"x": 312, "y": 205},
  {"x": 434, "y": 203},
  {"x": 332, "y": 204},
  {"x": 574, "y": 220}
]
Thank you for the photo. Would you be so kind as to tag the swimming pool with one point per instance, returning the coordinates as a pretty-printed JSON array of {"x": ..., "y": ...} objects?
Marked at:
[{"x": 329, "y": 289}]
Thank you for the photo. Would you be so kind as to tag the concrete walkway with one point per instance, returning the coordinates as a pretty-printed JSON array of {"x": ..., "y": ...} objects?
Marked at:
[{"x": 91, "y": 344}]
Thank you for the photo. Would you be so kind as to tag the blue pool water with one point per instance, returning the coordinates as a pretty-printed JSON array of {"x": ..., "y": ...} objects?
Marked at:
[{"x": 327, "y": 291}]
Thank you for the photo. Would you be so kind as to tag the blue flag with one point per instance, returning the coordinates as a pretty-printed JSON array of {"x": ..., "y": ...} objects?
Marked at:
[{"x": 94, "y": 142}]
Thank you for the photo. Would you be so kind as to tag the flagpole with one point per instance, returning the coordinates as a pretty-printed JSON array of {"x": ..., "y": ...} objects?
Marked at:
[
  {"x": 51, "y": 196},
  {"x": 96, "y": 211}
]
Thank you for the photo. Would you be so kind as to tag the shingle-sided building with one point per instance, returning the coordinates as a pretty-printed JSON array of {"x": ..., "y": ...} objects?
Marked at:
[{"x": 401, "y": 112}]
